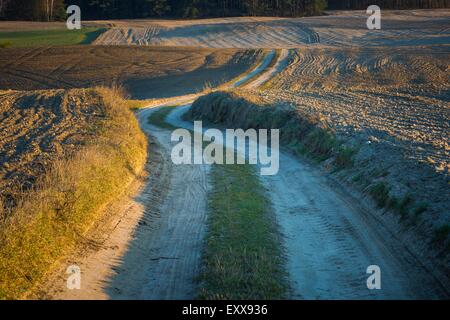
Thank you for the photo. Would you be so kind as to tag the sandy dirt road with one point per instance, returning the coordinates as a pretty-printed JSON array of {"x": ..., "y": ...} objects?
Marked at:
[{"x": 164, "y": 255}]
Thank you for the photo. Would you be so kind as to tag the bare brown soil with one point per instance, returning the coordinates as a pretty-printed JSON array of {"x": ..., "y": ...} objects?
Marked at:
[
  {"x": 384, "y": 93},
  {"x": 70, "y": 152},
  {"x": 402, "y": 93},
  {"x": 38, "y": 128},
  {"x": 12, "y": 26},
  {"x": 145, "y": 72}
]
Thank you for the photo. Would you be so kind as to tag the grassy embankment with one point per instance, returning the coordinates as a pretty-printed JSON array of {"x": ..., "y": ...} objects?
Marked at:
[
  {"x": 69, "y": 198},
  {"x": 242, "y": 258},
  {"x": 59, "y": 37},
  {"x": 307, "y": 136}
]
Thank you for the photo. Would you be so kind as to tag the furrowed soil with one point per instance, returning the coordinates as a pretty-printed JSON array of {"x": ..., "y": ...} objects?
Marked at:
[
  {"x": 38, "y": 128},
  {"x": 390, "y": 105},
  {"x": 144, "y": 72},
  {"x": 341, "y": 28},
  {"x": 66, "y": 154}
]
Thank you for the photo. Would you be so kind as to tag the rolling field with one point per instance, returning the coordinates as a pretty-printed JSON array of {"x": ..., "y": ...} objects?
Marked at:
[
  {"x": 341, "y": 29},
  {"x": 54, "y": 116},
  {"x": 151, "y": 72}
]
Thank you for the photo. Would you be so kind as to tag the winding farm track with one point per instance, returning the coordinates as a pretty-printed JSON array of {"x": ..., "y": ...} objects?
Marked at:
[
  {"x": 148, "y": 246},
  {"x": 153, "y": 251}
]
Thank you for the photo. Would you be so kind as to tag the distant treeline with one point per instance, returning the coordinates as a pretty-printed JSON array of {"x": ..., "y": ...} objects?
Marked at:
[
  {"x": 39, "y": 10},
  {"x": 48, "y": 10},
  {"x": 387, "y": 4},
  {"x": 128, "y": 9}
]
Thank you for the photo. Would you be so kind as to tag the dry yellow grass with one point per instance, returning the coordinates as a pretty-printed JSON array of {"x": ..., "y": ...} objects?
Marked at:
[{"x": 49, "y": 219}]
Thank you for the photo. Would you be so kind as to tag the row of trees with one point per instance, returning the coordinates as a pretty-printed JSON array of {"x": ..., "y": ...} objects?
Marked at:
[
  {"x": 96, "y": 9},
  {"x": 40, "y": 10},
  {"x": 388, "y": 4},
  {"x": 46, "y": 10}
]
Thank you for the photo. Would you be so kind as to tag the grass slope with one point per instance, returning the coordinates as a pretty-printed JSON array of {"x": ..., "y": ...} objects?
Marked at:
[
  {"x": 307, "y": 135},
  {"x": 52, "y": 217},
  {"x": 63, "y": 37}
]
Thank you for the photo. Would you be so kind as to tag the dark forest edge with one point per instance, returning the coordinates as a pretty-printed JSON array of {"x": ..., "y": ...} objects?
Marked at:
[{"x": 53, "y": 10}]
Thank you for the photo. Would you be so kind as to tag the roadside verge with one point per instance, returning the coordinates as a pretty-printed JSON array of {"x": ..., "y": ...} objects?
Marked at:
[{"x": 50, "y": 219}]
